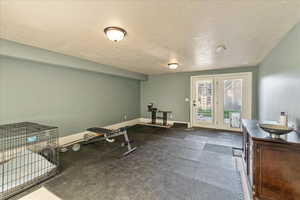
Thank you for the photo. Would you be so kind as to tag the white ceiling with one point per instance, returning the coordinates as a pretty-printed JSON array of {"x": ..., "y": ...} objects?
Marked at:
[{"x": 159, "y": 31}]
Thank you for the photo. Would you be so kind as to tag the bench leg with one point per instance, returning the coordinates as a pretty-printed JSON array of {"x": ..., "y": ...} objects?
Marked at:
[{"x": 127, "y": 142}]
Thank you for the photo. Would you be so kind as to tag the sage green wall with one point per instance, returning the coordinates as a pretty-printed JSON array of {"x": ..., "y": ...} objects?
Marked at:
[
  {"x": 71, "y": 99},
  {"x": 279, "y": 79},
  {"x": 16, "y": 50},
  {"x": 168, "y": 91}
]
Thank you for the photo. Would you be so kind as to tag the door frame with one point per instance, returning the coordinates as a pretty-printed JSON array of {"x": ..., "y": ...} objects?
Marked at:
[{"x": 248, "y": 103}]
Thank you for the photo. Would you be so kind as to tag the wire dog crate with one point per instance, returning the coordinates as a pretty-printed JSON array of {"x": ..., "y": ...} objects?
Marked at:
[{"x": 28, "y": 155}]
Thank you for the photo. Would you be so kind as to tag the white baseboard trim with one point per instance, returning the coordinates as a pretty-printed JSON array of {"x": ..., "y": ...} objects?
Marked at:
[
  {"x": 78, "y": 136},
  {"x": 245, "y": 185},
  {"x": 122, "y": 124},
  {"x": 71, "y": 138}
]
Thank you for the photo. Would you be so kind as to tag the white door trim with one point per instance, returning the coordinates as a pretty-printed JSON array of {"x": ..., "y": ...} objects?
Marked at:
[{"x": 249, "y": 88}]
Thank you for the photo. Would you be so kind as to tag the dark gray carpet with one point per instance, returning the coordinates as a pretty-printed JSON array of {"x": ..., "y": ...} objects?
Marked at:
[{"x": 169, "y": 164}]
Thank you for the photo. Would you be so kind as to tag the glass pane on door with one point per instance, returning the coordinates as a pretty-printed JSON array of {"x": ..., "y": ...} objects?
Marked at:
[
  {"x": 204, "y": 110},
  {"x": 233, "y": 102}
]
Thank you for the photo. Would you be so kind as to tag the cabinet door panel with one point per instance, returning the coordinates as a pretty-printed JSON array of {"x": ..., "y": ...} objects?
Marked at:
[{"x": 279, "y": 173}]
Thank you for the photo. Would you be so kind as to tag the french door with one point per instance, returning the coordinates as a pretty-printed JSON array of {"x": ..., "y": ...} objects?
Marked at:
[{"x": 221, "y": 101}]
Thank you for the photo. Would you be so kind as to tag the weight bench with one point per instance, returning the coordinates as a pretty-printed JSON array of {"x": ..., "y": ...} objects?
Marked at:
[{"x": 108, "y": 135}]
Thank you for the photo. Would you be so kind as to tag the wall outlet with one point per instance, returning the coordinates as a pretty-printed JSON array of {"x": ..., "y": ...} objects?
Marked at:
[
  {"x": 292, "y": 124},
  {"x": 187, "y": 99},
  {"x": 171, "y": 116},
  {"x": 125, "y": 117}
]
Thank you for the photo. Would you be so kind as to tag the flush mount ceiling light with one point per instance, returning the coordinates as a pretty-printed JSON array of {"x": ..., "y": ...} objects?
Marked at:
[
  {"x": 115, "y": 33},
  {"x": 220, "y": 48},
  {"x": 173, "y": 65}
]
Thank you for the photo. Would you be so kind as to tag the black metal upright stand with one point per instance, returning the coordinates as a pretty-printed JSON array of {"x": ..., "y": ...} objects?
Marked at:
[
  {"x": 153, "y": 116},
  {"x": 165, "y": 118}
]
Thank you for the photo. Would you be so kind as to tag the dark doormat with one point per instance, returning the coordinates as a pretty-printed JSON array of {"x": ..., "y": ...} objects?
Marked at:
[{"x": 218, "y": 148}]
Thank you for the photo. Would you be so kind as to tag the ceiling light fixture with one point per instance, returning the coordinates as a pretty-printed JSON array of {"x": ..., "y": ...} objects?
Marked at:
[
  {"x": 115, "y": 33},
  {"x": 173, "y": 65},
  {"x": 220, "y": 48}
]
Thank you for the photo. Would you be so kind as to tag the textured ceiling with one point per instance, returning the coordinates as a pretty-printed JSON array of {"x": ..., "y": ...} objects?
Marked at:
[{"x": 159, "y": 31}]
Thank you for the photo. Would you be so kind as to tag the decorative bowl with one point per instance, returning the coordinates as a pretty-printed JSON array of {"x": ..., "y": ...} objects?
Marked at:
[{"x": 276, "y": 130}]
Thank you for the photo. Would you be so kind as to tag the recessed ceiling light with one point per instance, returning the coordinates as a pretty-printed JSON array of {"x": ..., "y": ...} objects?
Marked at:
[
  {"x": 173, "y": 65},
  {"x": 115, "y": 33},
  {"x": 220, "y": 48}
]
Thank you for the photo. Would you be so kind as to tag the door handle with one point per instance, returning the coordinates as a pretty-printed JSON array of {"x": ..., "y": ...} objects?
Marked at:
[{"x": 194, "y": 103}]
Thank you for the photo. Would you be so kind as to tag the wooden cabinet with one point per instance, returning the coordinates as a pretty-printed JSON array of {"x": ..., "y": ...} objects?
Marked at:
[{"x": 273, "y": 165}]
